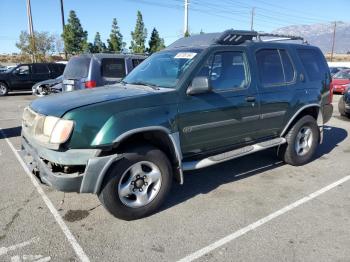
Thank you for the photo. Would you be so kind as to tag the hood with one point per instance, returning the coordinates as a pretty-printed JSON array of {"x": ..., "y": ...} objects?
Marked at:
[{"x": 57, "y": 105}]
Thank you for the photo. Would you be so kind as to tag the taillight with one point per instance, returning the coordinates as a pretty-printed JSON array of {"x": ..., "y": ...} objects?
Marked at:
[
  {"x": 90, "y": 84},
  {"x": 330, "y": 98}
]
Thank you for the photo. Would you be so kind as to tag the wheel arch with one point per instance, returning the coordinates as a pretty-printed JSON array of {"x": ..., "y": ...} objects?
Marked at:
[
  {"x": 312, "y": 109},
  {"x": 157, "y": 136}
]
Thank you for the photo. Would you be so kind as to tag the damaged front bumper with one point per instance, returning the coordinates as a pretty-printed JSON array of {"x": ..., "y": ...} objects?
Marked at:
[{"x": 88, "y": 181}]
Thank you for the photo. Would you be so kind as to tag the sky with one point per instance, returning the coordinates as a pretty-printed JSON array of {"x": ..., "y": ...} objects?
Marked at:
[{"x": 167, "y": 16}]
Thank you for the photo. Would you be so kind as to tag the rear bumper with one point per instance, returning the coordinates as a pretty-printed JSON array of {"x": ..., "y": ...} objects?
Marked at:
[{"x": 89, "y": 181}]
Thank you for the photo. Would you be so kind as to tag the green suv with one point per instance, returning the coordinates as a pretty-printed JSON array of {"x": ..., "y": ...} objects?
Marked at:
[{"x": 203, "y": 100}]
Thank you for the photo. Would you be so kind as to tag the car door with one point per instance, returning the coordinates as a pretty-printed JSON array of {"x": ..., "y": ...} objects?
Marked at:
[
  {"x": 277, "y": 85},
  {"x": 21, "y": 77},
  {"x": 226, "y": 116},
  {"x": 40, "y": 73}
]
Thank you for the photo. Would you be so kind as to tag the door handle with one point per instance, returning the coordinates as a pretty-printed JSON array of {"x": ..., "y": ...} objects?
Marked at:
[{"x": 250, "y": 99}]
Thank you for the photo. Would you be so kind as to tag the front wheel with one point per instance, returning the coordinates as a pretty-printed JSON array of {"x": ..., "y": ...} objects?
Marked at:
[
  {"x": 137, "y": 185},
  {"x": 302, "y": 140}
]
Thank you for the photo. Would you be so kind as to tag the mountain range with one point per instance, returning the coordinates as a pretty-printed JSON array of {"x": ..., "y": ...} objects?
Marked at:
[{"x": 321, "y": 35}]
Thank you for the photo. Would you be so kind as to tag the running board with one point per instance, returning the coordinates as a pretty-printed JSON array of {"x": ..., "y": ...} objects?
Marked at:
[{"x": 216, "y": 159}]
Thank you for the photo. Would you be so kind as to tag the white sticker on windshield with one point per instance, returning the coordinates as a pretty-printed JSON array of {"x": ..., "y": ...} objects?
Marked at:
[{"x": 185, "y": 55}]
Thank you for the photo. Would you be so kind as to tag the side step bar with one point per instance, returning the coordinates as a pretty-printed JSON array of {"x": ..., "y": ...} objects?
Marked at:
[{"x": 216, "y": 159}]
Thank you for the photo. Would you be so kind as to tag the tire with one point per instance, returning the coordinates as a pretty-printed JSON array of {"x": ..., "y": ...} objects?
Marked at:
[
  {"x": 302, "y": 140},
  {"x": 148, "y": 192},
  {"x": 341, "y": 107},
  {"x": 3, "y": 89}
]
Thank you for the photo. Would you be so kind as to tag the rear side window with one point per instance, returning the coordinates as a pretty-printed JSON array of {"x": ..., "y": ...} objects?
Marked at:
[
  {"x": 113, "y": 67},
  {"x": 275, "y": 67},
  {"x": 270, "y": 67},
  {"x": 57, "y": 68},
  {"x": 313, "y": 63},
  {"x": 40, "y": 69},
  {"x": 77, "y": 67},
  {"x": 136, "y": 62},
  {"x": 288, "y": 68}
]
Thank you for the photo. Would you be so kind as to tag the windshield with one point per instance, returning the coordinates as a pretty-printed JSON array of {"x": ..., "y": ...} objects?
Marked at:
[
  {"x": 345, "y": 74},
  {"x": 162, "y": 69},
  {"x": 77, "y": 67}
]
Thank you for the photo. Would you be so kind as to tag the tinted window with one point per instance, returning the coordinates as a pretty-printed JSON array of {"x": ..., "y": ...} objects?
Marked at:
[
  {"x": 40, "y": 69},
  {"x": 77, "y": 67},
  {"x": 287, "y": 66},
  {"x": 226, "y": 70},
  {"x": 136, "y": 62},
  {"x": 22, "y": 70},
  {"x": 313, "y": 63},
  {"x": 270, "y": 67},
  {"x": 57, "y": 68},
  {"x": 113, "y": 67}
]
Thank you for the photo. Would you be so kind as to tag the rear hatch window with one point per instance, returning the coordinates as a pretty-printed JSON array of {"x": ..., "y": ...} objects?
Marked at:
[
  {"x": 77, "y": 67},
  {"x": 113, "y": 67}
]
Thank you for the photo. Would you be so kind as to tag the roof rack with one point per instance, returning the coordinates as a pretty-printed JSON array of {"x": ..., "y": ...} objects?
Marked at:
[{"x": 236, "y": 37}]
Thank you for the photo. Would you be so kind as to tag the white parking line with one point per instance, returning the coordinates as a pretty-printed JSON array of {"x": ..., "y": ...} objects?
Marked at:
[
  {"x": 9, "y": 119},
  {"x": 261, "y": 222},
  {"x": 5, "y": 250},
  {"x": 72, "y": 240}
]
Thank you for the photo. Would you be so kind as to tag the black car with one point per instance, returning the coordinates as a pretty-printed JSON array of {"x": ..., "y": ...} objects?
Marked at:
[
  {"x": 94, "y": 70},
  {"x": 344, "y": 103},
  {"x": 24, "y": 76}
]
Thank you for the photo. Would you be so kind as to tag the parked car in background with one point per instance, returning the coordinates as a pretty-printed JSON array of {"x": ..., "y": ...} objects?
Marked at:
[
  {"x": 340, "y": 81},
  {"x": 336, "y": 69},
  {"x": 24, "y": 76},
  {"x": 94, "y": 70},
  {"x": 172, "y": 114},
  {"x": 344, "y": 103},
  {"x": 47, "y": 87}
]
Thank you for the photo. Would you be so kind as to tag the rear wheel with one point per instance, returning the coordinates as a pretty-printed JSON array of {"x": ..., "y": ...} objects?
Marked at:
[
  {"x": 3, "y": 89},
  {"x": 138, "y": 184},
  {"x": 302, "y": 140}
]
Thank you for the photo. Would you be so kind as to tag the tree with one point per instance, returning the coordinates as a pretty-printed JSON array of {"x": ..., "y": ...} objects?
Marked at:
[
  {"x": 139, "y": 35},
  {"x": 187, "y": 34},
  {"x": 98, "y": 46},
  {"x": 155, "y": 43},
  {"x": 74, "y": 36},
  {"x": 115, "y": 41},
  {"x": 44, "y": 44}
]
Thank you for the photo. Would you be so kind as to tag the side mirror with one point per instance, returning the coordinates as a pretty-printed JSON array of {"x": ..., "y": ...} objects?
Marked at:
[{"x": 199, "y": 85}]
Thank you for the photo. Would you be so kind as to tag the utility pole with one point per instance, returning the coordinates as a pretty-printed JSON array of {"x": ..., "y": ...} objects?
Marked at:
[
  {"x": 186, "y": 18},
  {"x": 31, "y": 29},
  {"x": 252, "y": 19},
  {"x": 333, "y": 42},
  {"x": 63, "y": 25}
]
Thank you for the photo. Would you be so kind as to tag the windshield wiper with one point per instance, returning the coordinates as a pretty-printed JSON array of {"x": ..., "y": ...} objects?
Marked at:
[{"x": 141, "y": 83}]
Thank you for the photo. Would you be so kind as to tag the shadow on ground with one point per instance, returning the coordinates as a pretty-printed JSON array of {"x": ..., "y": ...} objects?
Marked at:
[
  {"x": 11, "y": 132},
  {"x": 205, "y": 180}
]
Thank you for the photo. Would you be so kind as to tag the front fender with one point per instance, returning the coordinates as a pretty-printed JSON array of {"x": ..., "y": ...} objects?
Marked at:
[{"x": 141, "y": 118}]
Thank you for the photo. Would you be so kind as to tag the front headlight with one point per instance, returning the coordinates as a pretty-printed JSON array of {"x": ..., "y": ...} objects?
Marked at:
[
  {"x": 61, "y": 131},
  {"x": 49, "y": 124}
]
